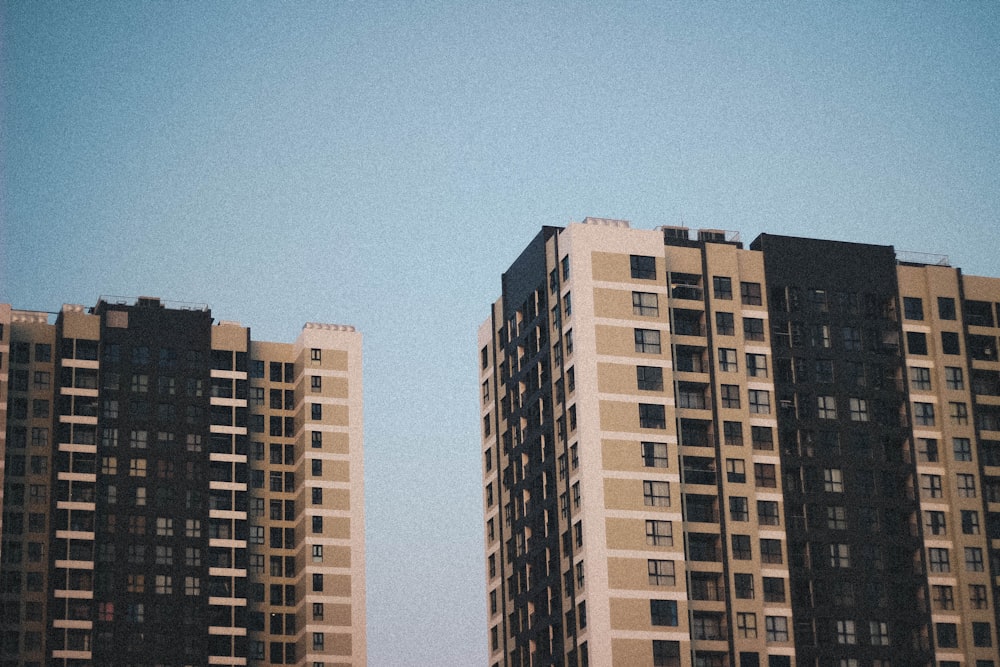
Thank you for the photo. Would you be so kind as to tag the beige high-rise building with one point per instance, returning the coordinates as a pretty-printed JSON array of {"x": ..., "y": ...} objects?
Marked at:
[
  {"x": 704, "y": 455},
  {"x": 176, "y": 493}
]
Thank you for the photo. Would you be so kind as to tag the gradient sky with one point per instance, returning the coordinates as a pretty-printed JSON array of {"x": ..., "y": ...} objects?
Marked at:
[{"x": 380, "y": 164}]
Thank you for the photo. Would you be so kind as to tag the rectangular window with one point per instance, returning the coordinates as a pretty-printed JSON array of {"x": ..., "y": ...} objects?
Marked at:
[
  {"x": 730, "y": 396},
  {"x": 920, "y": 378},
  {"x": 746, "y": 625},
  {"x": 858, "y": 409},
  {"x": 913, "y": 308},
  {"x": 959, "y": 413},
  {"x": 947, "y": 635},
  {"x": 722, "y": 287},
  {"x": 930, "y": 486},
  {"x": 756, "y": 365},
  {"x": 916, "y": 342},
  {"x": 767, "y": 513},
  {"x": 652, "y": 416},
  {"x": 923, "y": 414},
  {"x": 643, "y": 267},
  {"x": 647, "y": 341},
  {"x": 741, "y": 547},
  {"x": 661, "y": 572},
  {"x": 935, "y": 522},
  {"x": 663, "y": 612},
  {"x": 645, "y": 304},
  {"x": 833, "y": 480},
  {"x": 776, "y": 628},
  {"x": 762, "y": 437},
  {"x": 953, "y": 378},
  {"x": 826, "y": 407},
  {"x": 970, "y": 522},
  {"x": 732, "y": 433},
  {"x": 654, "y": 455},
  {"x": 927, "y": 450},
  {"x": 724, "y": 324},
  {"x": 750, "y": 294},
  {"x": 764, "y": 476},
  {"x": 753, "y": 328},
  {"x": 938, "y": 559},
  {"x": 966, "y": 485},
  {"x": 943, "y": 597},
  {"x": 760, "y": 401},
  {"x": 962, "y": 449},
  {"x": 656, "y": 494},
  {"x": 736, "y": 471},
  {"x": 649, "y": 378},
  {"x": 738, "y": 509},
  {"x": 977, "y": 596},
  {"x": 949, "y": 343},
  {"x": 659, "y": 533},
  {"x": 727, "y": 360},
  {"x": 973, "y": 559},
  {"x": 946, "y": 308},
  {"x": 770, "y": 551}
]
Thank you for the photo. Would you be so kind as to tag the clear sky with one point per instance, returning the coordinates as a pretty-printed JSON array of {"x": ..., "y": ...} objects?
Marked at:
[{"x": 381, "y": 163}]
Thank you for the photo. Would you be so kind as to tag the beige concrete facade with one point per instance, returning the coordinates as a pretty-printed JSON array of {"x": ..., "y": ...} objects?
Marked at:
[{"x": 649, "y": 515}]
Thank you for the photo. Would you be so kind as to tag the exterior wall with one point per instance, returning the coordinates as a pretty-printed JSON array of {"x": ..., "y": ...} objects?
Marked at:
[
  {"x": 604, "y": 457},
  {"x": 156, "y": 540},
  {"x": 953, "y": 451}
]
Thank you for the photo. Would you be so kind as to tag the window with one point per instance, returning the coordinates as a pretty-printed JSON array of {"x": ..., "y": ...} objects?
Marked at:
[
  {"x": 770, "y": 551},
  {"x": 846, "y": 633},
  {"x": 753, "y": 328},
  {"x": 938, "y": 559},
  {"x": 730, "y": 395},
  {"x": 930, "y": 486},
  {"x": 654, "y": 454},
  {"x": 746, "y": 624},
  {"x": 722, "y": 287},
  {"x": 826, "y": 407},
  {"x": 738, "y": 509},
  {"x": 760, "y": 401},
  {"x": 756, "y": 365},
  {"x": 762, "y": 437},
  {"x": 727, "y": 360},
  {"x": 913, "y": 308},
  {"x": 736, "y": 471},
  {"x": 916, "y": 342},
  {"x": 665, "y": 653},
  {"x": 750, "y": 294},
  {"x": 764, "y": 476},
  {"x": 733, "y": 433},
  {"x": 959, "y": 412},
  {"x": 923, "y": 414},
  {"x": 767, "y": 513},
  {"x": 656, "y": 494},
  {"x": 774, "y": 589},
  {"x": 852, "y": 338},
  {"x": 973, "y": 559},
  {"x": 920, "y": 378},
  {"x": 724, "y": 324},
  {"x": 927, "y": 450},
  {"x": 317, "y": 467},
  {"x": 647, "y": 341},
  {"x": 741, "y": 547},
  {"x": 947, "y": 635},
  {"x": 962, "y": 448},
  {"x": 966, "y": 485},
  {"x": 970, "y": 522},
  {"x": 776, "y": 628},
  {"x": 316, "y": 410},
  {"x": 833, "y": 480},
  {"x": 953, "y": 378},
  {"x": 652, "y": 416},
  {"x": 949, "y": 343},
  {"x": 645, "y": 304},
  {"x": 743, "y": 586},
  {"x": 568, "y": 304},
  {"x": 659, "y": 533},
  {"x": 137, "y": 467},
  {"x": 981, "y": 635},
  {"x": 663, "y": 612},
  {"x": 935, "y": 522},
  {"x": 943, "y": 597},
  {"x": 643, "y": 267},
  {"x": 977, "y": 596},
  {"x": 649, "y": 378},
  {"x": 317, "y": 524},
  {"x": 858, "y": 409},
  {"x": 661, "y": 572}
]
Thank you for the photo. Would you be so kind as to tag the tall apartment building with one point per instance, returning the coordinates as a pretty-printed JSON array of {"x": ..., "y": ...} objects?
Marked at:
[
  {"x": 699, "y": 454},
  {"x": 176, "y": 493}
]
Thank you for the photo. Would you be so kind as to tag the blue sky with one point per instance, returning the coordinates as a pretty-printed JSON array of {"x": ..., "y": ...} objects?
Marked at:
[{"x": 382, "y": 163}]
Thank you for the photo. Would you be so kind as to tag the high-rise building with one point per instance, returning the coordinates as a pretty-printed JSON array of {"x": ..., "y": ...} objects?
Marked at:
[
  {"x": 700, "y": 454},
  {"x": 176, "y": 493}
]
